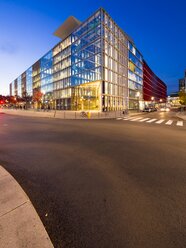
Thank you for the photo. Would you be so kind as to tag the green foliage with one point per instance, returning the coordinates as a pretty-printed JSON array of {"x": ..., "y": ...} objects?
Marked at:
[{"x": 182, "y": 96}]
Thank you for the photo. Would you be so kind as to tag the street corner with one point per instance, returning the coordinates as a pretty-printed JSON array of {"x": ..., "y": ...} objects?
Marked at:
[{"x": 20, "y": 225}]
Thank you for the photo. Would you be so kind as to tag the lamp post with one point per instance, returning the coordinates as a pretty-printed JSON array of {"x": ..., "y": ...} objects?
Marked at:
[
  {"x": 160, "y": 101},
  {"x": 152, "y": 99}
]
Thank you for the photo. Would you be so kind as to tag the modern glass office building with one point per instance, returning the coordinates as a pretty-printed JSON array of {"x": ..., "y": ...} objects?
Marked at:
[{"x": 95, "y": 66}]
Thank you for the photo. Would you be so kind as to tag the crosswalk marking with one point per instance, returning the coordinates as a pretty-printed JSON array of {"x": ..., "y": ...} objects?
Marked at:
[
  {"x": 146, "y": 119},
  {"x": 159, "y": 122},
  {"x": 127, "y": 119},
  {"x": 169, "y": 122},
  {"x": 179, "y": 123},
  {"x": 136, "y": 119},
  {"x": 152, "y": 120}
]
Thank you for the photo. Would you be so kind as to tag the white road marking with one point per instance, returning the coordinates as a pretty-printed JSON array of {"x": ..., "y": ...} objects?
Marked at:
[
  {"x": 119, "y": 118},
  {"x": 160, "y": 121},
  {"x": 136, "y": 119},
  {"x": 130, "y": 118},
  {"x": 169, "y": 122},
  {"x": 152, "y": 120},
  {"x": 146, "y": 119},
  {"x": 179, "y": 123}
]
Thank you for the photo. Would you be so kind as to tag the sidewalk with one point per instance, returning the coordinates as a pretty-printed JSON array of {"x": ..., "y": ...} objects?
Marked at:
[
  {"x": 61, "y": 114},
  {"x": 20, "y": 225},
  {"x": 181, "y": 115}
]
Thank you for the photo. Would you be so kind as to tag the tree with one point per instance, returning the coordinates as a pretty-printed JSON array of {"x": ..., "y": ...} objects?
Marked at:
[
  {"x": 182, "y": 96},
  {"x": 37, "y": 97},
  {"x": 26, "y": 98}
]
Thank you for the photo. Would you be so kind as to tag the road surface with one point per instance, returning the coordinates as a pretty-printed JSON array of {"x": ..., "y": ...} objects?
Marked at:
[{"x": 101, "y": 183}]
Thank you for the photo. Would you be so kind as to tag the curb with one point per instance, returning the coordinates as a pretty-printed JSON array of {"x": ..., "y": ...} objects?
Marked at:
[
  {"x": 64, "y": 115},
  {"x": 20, "y": 225},
  {"x": 181, "y": 116}
]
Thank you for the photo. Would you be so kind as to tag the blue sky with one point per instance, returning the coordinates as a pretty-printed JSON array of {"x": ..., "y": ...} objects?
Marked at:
[{"x": 157, "y": 28}]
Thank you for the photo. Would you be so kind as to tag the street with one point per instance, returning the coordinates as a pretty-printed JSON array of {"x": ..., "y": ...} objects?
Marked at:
[{"x": 102, "y": 183}]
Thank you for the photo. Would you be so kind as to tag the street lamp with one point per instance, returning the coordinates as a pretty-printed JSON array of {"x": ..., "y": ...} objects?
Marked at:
[{"x": 152, "y": 99}]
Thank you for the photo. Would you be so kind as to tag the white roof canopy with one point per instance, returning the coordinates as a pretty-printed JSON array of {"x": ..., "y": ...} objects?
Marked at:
[{"x": 67, "y": 27}]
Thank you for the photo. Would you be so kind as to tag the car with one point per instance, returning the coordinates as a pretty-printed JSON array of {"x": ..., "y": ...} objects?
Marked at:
[
  {"x": 164, "y": 109},
  {"x": 149, "y": 109},
  {"x": 153, "y": 109}
]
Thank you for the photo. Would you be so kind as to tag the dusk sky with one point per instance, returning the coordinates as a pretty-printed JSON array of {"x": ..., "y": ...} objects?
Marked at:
[{"x": 157, "y": 27}]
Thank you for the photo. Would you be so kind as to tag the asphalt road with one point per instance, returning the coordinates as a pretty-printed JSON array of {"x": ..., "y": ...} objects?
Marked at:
[{"x": 101, "y": 183}]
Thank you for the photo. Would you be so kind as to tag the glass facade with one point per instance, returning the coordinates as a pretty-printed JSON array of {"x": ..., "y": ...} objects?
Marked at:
[
  {"x": 86, "y": 64},
  {"x": 23, "y": 84},
  {"x": 46, "y": 77},
  {"x": 115, "y": 84},
  {"x": 29, "y": 82},
  {"x": 95, "y": 67},
  {"x": 61, "y": 75},
  {"x": 19, "y": 88},
  {"x": 135, "y": 77}
]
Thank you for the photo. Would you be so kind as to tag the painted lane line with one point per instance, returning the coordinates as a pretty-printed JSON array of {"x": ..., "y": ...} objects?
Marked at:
[
  {"x": 179, "y": 123},
  {"x": 160, "y": 121},
  {"x": 146, "y": 119},
  {"x": 118, "y": 119},
  {"x": 169, "y": 122},
  {"x": 152, "y": 120},
  {"x": 137, "y": 119}
]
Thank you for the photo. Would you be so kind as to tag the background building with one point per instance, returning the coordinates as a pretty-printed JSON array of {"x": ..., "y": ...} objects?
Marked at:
[
  {"x": 96, "y": 66},
  {"x": 182, "y": 83},
  {"x": 174, "y": 100}
]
